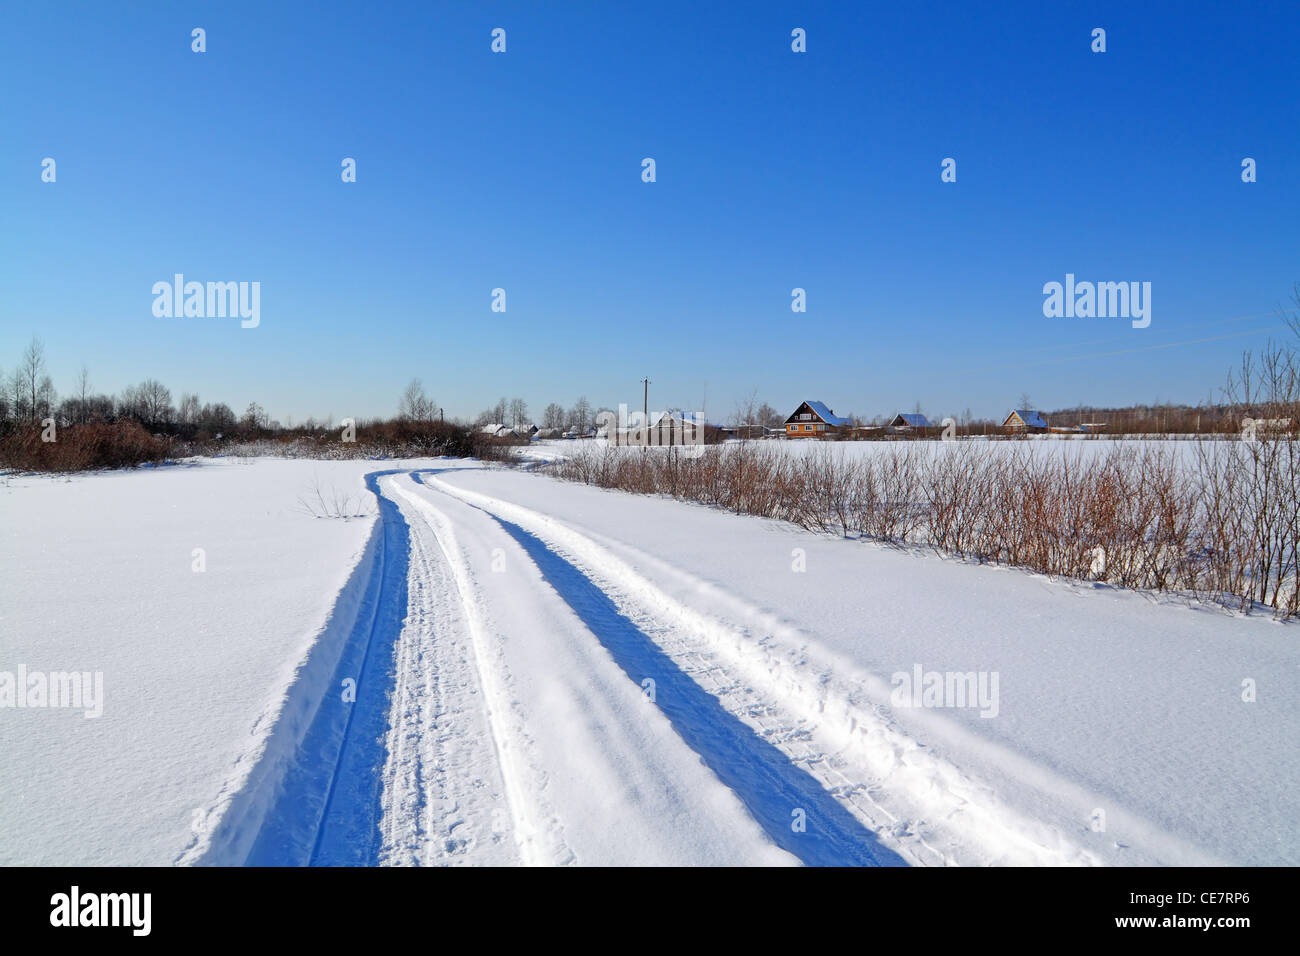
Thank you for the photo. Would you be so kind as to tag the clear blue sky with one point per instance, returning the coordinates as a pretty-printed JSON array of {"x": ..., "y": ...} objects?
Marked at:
[{"x": 523, "y": 171}]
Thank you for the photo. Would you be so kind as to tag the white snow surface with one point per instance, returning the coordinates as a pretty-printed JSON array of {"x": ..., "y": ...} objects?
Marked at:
[
  {"x": 196, "y": 665},
  {"x": 590, "y": 677}
]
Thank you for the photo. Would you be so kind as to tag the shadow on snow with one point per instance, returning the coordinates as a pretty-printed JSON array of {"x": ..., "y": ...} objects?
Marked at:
[
  {"x": 770, "y": 786},
  {"x": 326, "y": 811}
]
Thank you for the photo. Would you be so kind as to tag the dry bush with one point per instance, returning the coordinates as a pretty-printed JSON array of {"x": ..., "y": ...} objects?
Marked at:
[
  {"x": 1222, "y": 524},
  {"x": 81, "y": 447}
]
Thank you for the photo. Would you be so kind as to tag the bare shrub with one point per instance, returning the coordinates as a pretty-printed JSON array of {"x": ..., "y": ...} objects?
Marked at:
[
  {"x": 1221, "y": 523},
  {"x": 333, "y": 502},
  {"x": 81, "y": 447}
]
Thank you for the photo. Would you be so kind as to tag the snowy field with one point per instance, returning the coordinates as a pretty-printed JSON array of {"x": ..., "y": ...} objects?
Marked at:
[
  {"x": 489, "y": 666},
  {"x": 1084, "y": 446}
]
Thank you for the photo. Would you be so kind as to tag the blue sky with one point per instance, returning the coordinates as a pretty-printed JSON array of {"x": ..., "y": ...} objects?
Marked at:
[{"x": 522, "y": 170}]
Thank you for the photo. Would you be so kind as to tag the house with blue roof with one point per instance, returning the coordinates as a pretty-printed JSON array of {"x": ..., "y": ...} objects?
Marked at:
[
  {"x": 910, "y": 420},
  {"x": 1025, "y": 420},
  {"x": 813, "y": 420}
]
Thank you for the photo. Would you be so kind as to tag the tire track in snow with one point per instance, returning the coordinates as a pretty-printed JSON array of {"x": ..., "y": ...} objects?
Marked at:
[
  {"x": 327, "y": 805},
  {"x": 537, "y": 833},
  {"x": 445, "y": 798},
  {"x": 777, "y": 791},
  {"x": 409, "y": 771},
  {"x": 939, "y": 815}
]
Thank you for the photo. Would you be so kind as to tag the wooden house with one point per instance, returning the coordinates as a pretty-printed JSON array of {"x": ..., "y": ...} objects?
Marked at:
[
  {"x": 1025, "y": 421},
  {"x": 813, "y": 420}
]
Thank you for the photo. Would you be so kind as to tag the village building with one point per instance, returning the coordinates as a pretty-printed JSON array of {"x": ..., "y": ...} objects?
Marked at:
[
  {"x": 908, "y": 422},
  {"x": 661, "y": 428},
  {"x": 1023, "y": 421},
  {"x": 813, "y": 420}
]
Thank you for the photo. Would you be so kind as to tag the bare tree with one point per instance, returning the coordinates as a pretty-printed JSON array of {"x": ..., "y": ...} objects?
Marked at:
[
  {"x": 131, "y": 404},
  {"x": 82, "y": 404},
  {"x": 1292, "y": 317},
  {"x": 518, "y": 412},
  {"x": 746, "y": 412},
  {"x": 415, "y": 405},
  {"x": 581, "y": 413},
  {"x": 188, "y": 409},
  {"x": 46, "y": 398},
  {"x": 27, "y": 377},
  {"x": 155, "y": 402},
  {"x": 553, "y": 416},
  {"x": 254, "y": 417},
  {"x": 769, "y": 416},
  {"x": 218, "y": 418}
]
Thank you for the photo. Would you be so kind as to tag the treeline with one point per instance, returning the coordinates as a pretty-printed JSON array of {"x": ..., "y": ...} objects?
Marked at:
[
  {"x": 1159, "y": 419},
  {"x": 29, "y": 398},
  {"x": 39, "y": 431},
  {"x": 1140, "y": 420},
  {"x": 1209, "y": 418},
  {"x": 514, "y": 413}
]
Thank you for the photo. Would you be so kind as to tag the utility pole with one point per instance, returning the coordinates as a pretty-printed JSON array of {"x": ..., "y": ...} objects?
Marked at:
[{"x": 645, "y": 410}]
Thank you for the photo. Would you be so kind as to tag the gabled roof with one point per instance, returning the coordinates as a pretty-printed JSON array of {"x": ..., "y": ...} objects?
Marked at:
[
  {"x": 822, "y": 411},
  {"x": 1030, "y": 417},
  {"x": 913, "y": 419},
  {"x": 825, "y": 414}
]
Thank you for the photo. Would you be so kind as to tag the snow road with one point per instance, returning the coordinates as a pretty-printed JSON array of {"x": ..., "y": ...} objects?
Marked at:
[
  {"x": 761, "y": 733},
  {"x": 529, "y": 690},
  {"x": 774, "y": 790},
  {"x": 568, "y": 760},
  {"x": 797, "y": 731},
  {"x": 497, "y": 707},
  {"x": 488, "y": 667}
]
